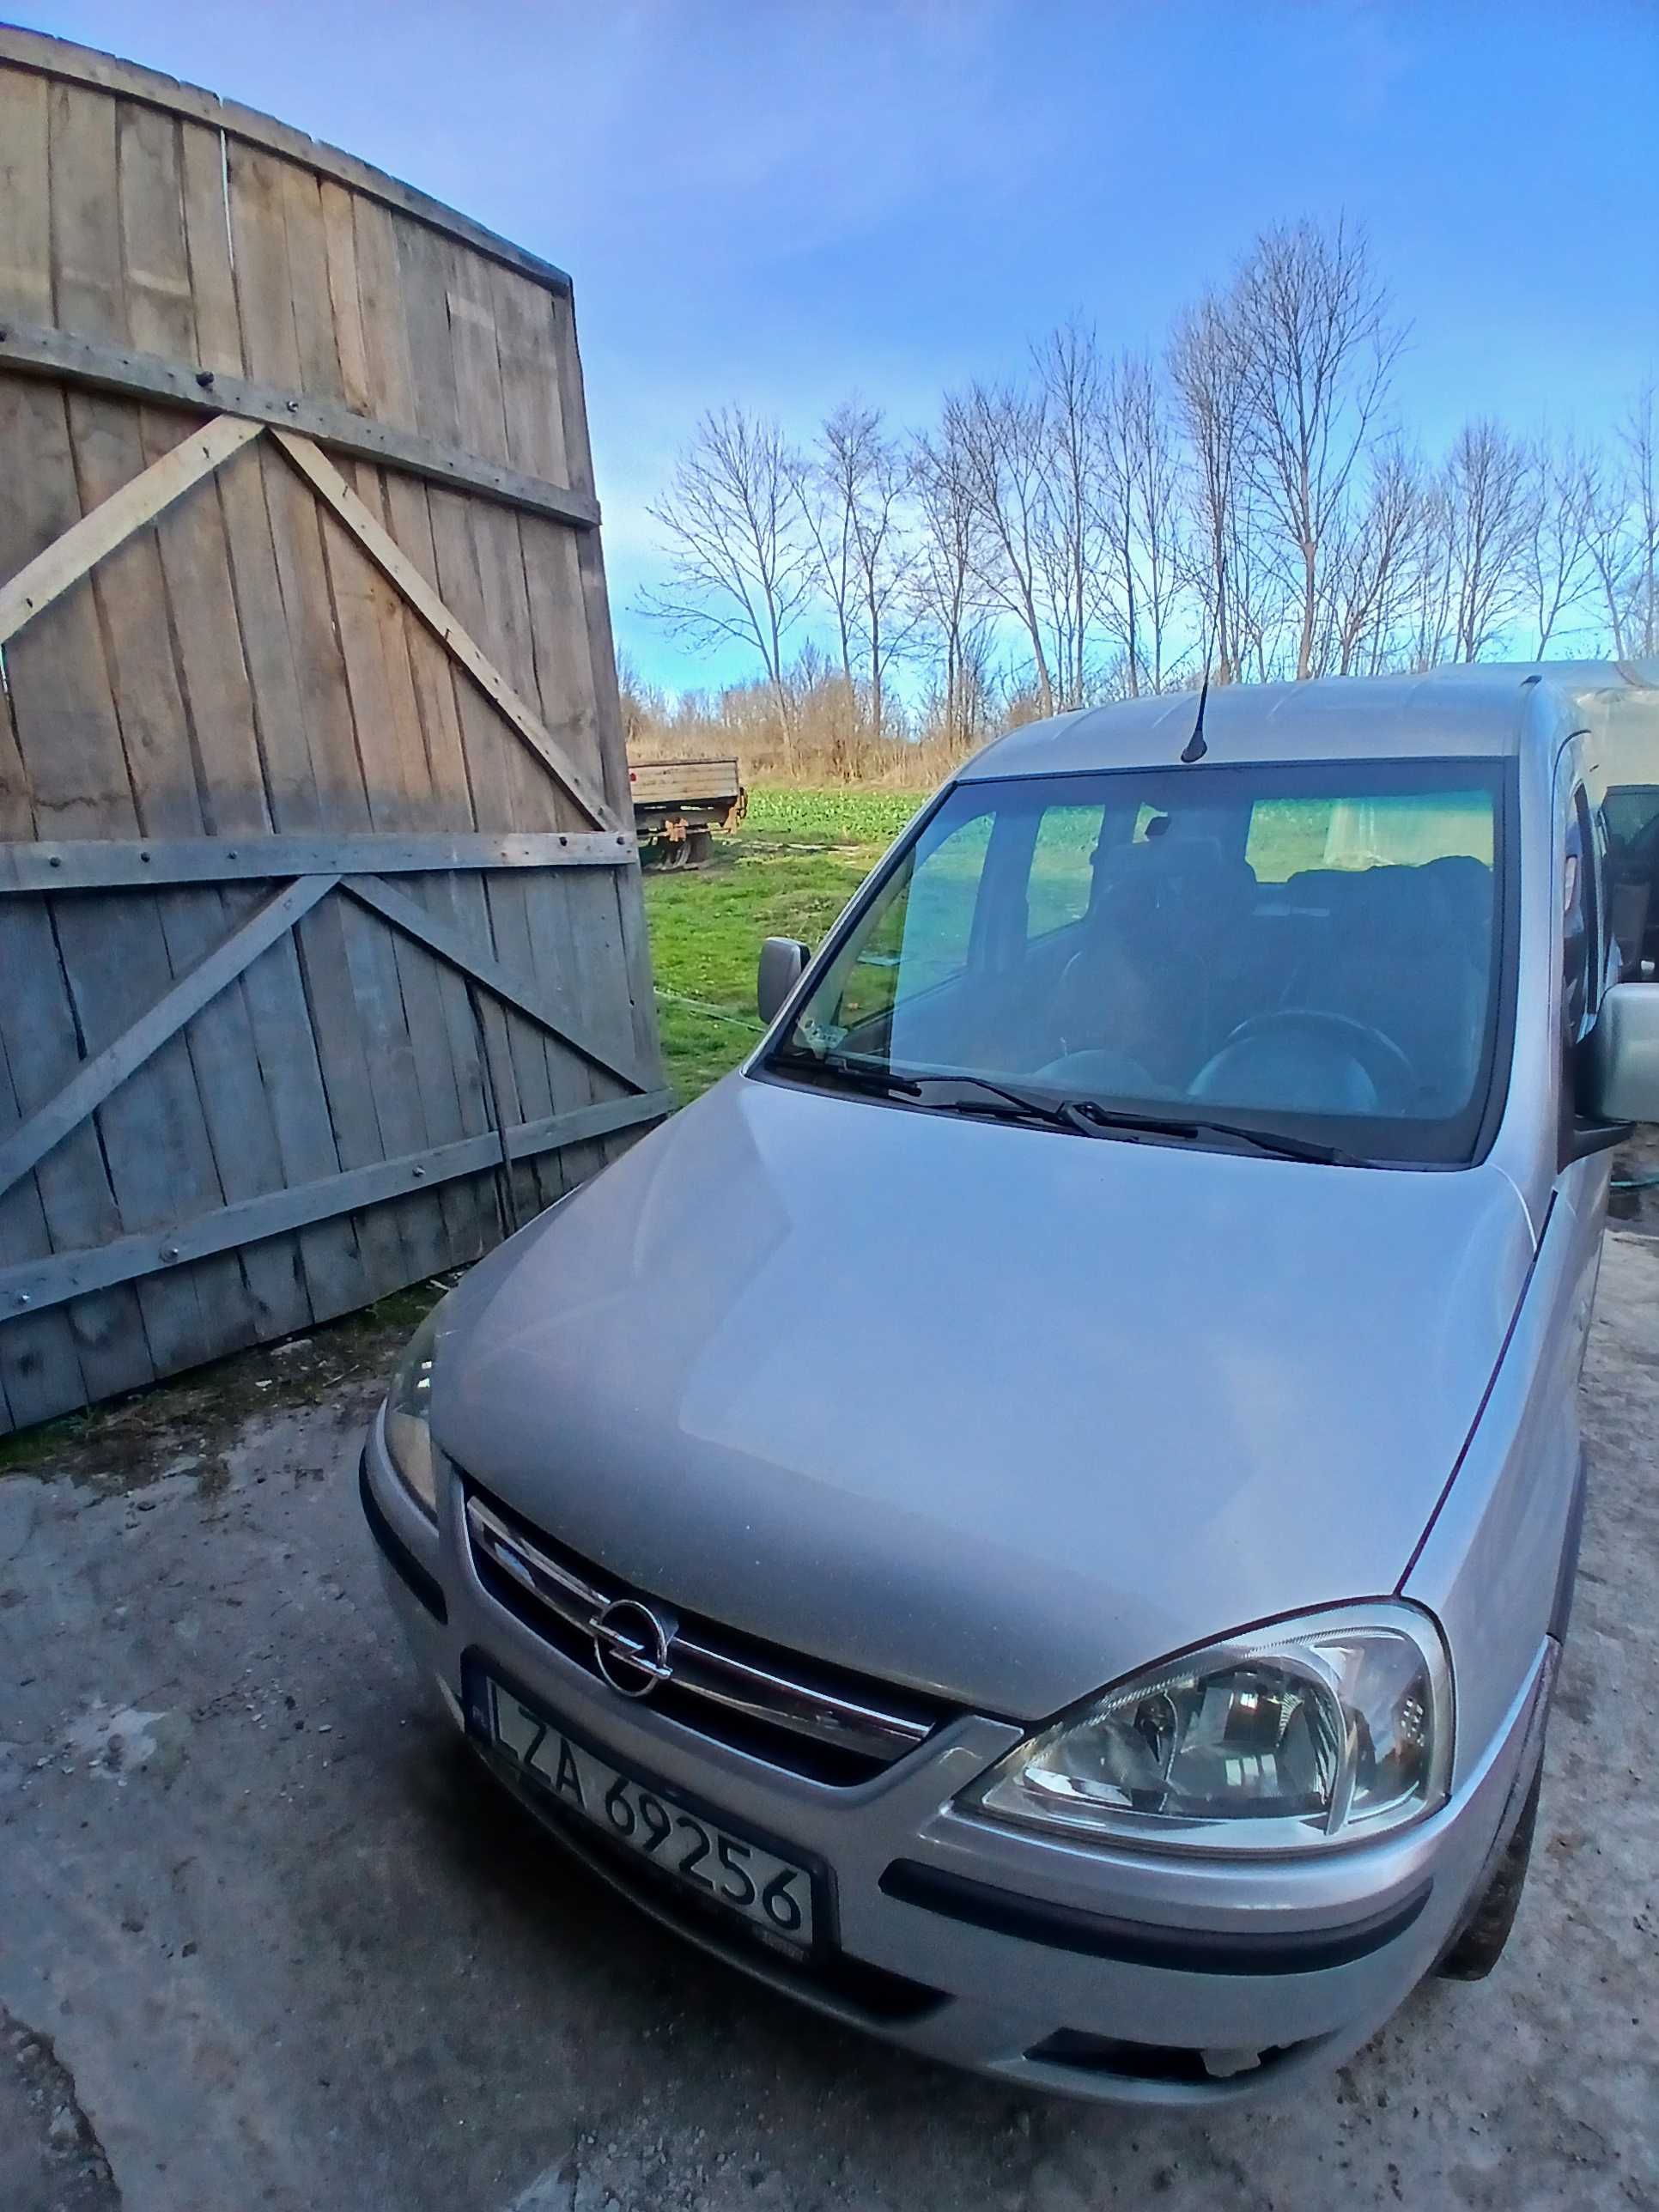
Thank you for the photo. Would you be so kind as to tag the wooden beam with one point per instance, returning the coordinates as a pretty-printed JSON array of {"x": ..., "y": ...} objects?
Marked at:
[
  {"x": 122, "y": 864},
  {"x": 67, "y": 559},
  {"x": 37, "y": 349},
  {"x": 31, "y": 1140},
  {"x": 56, "y": 58},
  {"x": 458, "y": 950},
  {"x": 583, "y": 1123},
  {"x": 395, "y": 565},
  {"x": 36, "y": 1284}
]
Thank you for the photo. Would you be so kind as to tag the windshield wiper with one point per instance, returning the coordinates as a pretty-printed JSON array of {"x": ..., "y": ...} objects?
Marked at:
[
  {"x": 1086, "y": 1116},
  {"x": 1276, "y": 1141},
  {"x": 837, "y": 1073}
]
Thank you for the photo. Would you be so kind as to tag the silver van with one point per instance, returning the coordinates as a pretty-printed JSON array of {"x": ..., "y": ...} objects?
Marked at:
[{"x": 1039, "y": 1515}]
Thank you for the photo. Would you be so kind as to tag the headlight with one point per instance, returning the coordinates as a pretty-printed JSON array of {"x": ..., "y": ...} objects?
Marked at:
[
  {"x": 1328, "y": 1729},
  {"x": 407, "y": 1435}
]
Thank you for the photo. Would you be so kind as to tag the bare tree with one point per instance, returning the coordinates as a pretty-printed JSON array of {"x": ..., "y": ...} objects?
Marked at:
[
  {"x": 852, "y": 491},
  {"x": 826, "y": 487},
  {"x": 739, "y": 566},
  {"x": 1486, "y": 514},
  {"x": 1316, "y": 341},
  {"x": 1639, "y": 439},
  {"x": 945, "y": 585},
  {"x": 643, "y": 705},
  {"x": 1141, "y": 498},
  {"x": 1205, "y": 370},
  {"x": 1559, "y": 557},
  {"x": 1000, "y": 433},
  {"x": 1375, "y": 567},
  {"x": 1070, "y": 539}
]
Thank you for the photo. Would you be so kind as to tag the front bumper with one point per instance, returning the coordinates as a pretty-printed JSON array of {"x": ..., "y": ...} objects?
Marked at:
[{"x": 1090, "y": 1971}]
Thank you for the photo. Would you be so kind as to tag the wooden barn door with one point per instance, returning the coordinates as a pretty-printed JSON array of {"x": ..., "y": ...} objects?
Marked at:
[{"x": 322, "y": 959}]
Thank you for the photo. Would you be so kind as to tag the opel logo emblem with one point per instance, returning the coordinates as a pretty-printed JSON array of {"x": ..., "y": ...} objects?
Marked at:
[{"x": 630, "y": 1647}]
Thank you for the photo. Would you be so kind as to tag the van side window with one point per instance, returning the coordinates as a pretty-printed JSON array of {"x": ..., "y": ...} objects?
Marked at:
[
  {"x": 1062, "y": 877},
  {"x": 1579, "y": 994},
  {"x": 925, "y": 925}
]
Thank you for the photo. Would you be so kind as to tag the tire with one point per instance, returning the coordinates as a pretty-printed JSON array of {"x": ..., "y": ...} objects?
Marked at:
[{"x": 1478, "y": 1945}]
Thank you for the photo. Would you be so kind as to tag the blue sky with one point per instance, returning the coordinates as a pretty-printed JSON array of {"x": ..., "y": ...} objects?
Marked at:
[{"x": 779, "y": 202}]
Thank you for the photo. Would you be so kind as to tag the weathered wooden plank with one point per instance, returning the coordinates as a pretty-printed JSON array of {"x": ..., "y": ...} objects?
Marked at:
[
  {"x": 282, "y": 740},
  {"x": 401, "y": 572},
  {"x": 156, "y": 262},
  {"x": 393, "y": 726},
  {"x": 116, "y": 864},
  {"x": 98, "y": 1076},
  {"x": 556, "y": 959},
  {"x": 589, "y": 1122},
  {"x": 16, "y": 814},
  {"x": 345, "y": 303},
  {"x": 68, "y": 559},
  {"x": 57, "y": 57},
  {"x": 387, "y": 743},
  {"x": 389, "y": 1047},
  {"x": 590, "y": 561},
  {"x": 71, "y": 356},
  {"x": 67, "y": 731},
  {"x": 259, "y": 1293},
  {"x": 218, "y": 346},
  {"x": 86, "y": 242},
  {"x": 388, "y": 374},
  {"x": 35, "y": 1286},
  {"x": 515, "y": 1055},
  {"x": 473, "y": 961},
  {"x": 347, "y": 1074},
  {"x": 291, "y": 1075},
  {"x": 508, "y": 636},
  {"x": 527, "y": 336},
  {"x": 333, "y": 796},
  {"x": 40, "y": 1366},
  {"x": 24, "y": 214},
  {"x": 307, "y": 262}
]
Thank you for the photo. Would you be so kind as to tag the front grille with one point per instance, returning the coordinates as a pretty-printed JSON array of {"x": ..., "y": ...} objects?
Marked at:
[{"x": 816, "y": 1720}]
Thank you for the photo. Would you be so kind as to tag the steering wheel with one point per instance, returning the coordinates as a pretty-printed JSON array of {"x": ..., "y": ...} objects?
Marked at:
[{"x": 1381, "y": 1059}]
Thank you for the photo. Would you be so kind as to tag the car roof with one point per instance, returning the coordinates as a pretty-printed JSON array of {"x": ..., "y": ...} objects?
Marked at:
[{"x": 1445, "y": 713}]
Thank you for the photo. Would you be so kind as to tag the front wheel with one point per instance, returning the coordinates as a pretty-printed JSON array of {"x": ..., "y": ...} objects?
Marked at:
[{"x": 1478, "y": 1945}]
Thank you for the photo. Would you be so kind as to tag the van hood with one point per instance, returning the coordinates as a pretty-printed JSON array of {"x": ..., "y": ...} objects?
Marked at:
[{"x": 989, "y": 1411}]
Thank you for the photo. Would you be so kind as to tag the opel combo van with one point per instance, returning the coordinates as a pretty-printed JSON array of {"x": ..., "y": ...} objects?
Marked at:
[{"x": 1040, "y": 1515}]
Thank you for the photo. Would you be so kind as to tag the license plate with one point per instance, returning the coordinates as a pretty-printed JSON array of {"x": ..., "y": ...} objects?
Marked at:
[{"x": 773, "y": 1894}]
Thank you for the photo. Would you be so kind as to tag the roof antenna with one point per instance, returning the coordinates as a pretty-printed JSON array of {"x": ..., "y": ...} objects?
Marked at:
[{"x": 1197, "y": 744}]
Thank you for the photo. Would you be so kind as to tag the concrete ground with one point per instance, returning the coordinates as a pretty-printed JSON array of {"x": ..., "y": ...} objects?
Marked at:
[{"x": 267, "y": 1940}]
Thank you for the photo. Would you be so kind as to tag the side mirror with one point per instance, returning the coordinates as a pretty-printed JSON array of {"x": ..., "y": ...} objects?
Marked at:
[
  {"x": 783, "y": 963},
  {"x": 1624, "y": 1054}
]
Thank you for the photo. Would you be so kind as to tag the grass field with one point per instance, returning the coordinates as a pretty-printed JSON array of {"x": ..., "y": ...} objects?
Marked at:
[{"x": 789, "y": 871}]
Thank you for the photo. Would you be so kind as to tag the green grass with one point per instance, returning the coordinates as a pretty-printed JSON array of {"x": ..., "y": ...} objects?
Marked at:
[{"x": 797, "y": 859}]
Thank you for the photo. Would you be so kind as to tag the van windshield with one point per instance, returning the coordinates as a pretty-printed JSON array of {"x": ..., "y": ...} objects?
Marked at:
[{"x": 1308, "y": 950}]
